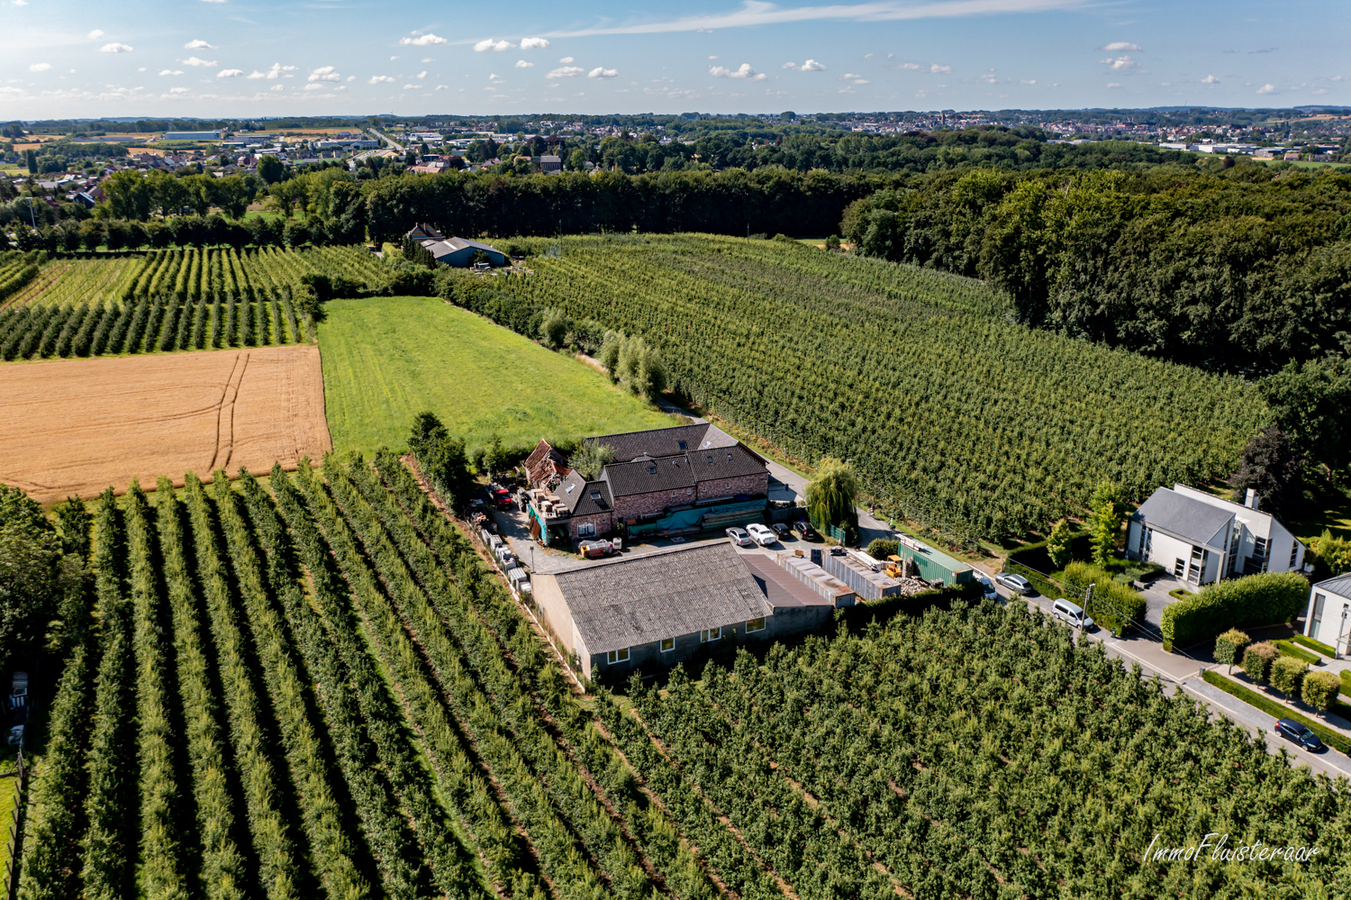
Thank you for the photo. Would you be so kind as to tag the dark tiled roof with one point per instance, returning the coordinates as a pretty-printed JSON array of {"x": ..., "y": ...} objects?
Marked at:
[
  {"x": 723, "y": 462},
  {"x": 629, "y": 602},
  {"x": 644, "y": 476},
  {"x": 664, "y": 441},
  {"x": 582, "y": 497},
  {"x": 1183, "y": 516}
]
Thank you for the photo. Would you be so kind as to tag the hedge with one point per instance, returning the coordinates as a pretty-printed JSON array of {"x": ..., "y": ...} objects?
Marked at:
[
  {"x": 1113, "y": 605},
  {"x": 1289, "y": 649},
  {"x": 1271, "y": 707},
  {"x": 1315, "y": 645},
  {"x": 1265, "y": 599}
]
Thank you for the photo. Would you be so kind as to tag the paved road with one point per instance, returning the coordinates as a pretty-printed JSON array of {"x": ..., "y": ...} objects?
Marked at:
[{"x": 388, "y": 140}]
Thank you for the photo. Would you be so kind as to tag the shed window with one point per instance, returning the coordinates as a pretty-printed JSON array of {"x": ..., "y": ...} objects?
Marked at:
[
  {"x": 617, "y": 656},
  {"x": 667, "y": 645},
  {"x": 755, "y": 625},
  {"x": 710, "y": 634}
]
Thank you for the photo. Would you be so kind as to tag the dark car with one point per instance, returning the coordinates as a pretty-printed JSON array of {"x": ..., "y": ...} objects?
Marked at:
[
  {"x": 780, "y": 529},
  {"x": 1300, "y": 734},
  {"x": 804, "y": 530}
]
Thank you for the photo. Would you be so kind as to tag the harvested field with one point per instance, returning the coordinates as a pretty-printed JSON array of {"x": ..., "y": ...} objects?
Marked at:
[{"x": 77, "y": 426}]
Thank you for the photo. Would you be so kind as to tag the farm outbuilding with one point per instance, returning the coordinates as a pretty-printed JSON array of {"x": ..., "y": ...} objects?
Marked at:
[
  {"x": 454, "y": 251},
  {"x": 933, "y": 564}
]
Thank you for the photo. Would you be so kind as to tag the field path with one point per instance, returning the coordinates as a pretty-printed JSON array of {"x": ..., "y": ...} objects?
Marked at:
[{"x": 73, "y": 427}]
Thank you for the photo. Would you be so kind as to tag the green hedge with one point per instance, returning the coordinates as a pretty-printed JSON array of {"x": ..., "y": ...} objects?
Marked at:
[
  {"x": 1267, "y": 705},
  {"x": 1315, "y": 645},
  {"x": 1113, "y": 605},
  {"x": 1264, "y": 599},
  {"x": 1290, "y": 649}
]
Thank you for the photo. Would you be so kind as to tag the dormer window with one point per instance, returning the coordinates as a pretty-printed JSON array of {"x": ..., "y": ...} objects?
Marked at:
[
  {"x": 595, "y": 495},
  {"x": 569, "y": 488},
  {"x": 681, "y": 445}
]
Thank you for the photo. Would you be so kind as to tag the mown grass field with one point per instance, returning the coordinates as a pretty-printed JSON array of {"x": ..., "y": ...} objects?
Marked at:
[{"x": 389, "y": 358}]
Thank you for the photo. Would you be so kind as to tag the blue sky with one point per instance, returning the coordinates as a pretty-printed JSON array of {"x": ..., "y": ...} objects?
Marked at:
[{"x": 244, "y": 57}]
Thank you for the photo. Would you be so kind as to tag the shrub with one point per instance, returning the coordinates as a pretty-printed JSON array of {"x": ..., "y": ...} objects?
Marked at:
[
  {"x": 1112, "y": 605},
  {"x": 1289, "y": 649},
  {"x": 1287, "y": 675},
  {"x": 1257, "y": 660},
  {"x": 1264, "y": 599},
  {"x": 1320, "y": 690},
  {"x": 881, "y": 548},
  {"x": 1229, "y": 647}
]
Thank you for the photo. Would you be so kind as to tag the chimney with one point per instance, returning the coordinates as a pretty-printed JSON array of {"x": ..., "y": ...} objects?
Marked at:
[{"x": 1251, "y": 499}]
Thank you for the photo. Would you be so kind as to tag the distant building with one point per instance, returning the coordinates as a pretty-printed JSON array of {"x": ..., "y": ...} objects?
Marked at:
[
  {"x": 1329, "y": 616},
  {"x": 550, "y": 165},
  {"x": 1201, "y": 538},
  {"x": 192, "y": 135},
  {"x": 454, "y": 251},
  {"x": 665, "y": 607}
]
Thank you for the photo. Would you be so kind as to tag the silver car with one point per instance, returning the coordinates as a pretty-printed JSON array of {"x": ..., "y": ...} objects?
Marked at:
[
  {"x": 1016, "y": 583},
  {"x": 739, "y": 537}
]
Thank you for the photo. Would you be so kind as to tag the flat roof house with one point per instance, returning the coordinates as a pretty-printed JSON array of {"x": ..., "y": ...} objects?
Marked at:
[
  {"x": 1329, "y": 618},
  {"x": 1202, "y": 538},
  {"x": 664, "y": 607}
]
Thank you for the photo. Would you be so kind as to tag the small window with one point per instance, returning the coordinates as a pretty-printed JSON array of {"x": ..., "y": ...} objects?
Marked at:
[
  {"x": 755, "y": 625},
  {"x": 595, "y": 495},
  {"x": 681, "y": 444},
  {"x": 667, "y": 645},
  {"x": 617, "y": 656},
  {"x": 569, "y": 488},
  {"x": 710, "y": 634}
]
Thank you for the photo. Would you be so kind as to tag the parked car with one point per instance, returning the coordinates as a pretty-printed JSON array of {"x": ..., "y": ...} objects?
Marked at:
[
  {"x": 987, "y": 587},
  {"x": 1016, "y": 583},
  {"x": 804, "y": 530},
  {"x": 1072, "y": 613},
  {"x": 1299, "y": 733},
  {"x": 761, "y": 535},
  {"x": 739, "y": 537},
  {"x": 780, "y": 529}
]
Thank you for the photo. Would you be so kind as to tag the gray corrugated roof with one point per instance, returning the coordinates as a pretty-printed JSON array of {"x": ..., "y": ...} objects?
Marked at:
[
  {"x": 576, "y": 493},
  {"x": 1341, "y": 585},
  {"x": 1186, "y": 517},
  {"x": 629, "y": 602},
  {"x": 630, "y": 445},
  {"x": 643, "y": 476}
]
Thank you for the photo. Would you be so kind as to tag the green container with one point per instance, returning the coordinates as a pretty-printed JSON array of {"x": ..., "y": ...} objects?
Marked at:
[{"x": 933, "y": 563}]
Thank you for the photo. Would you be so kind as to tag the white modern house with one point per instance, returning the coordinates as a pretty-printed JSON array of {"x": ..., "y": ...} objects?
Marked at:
[
  {"x": 1329, "y": 618},
  {"x": 1202, "y": 538}
]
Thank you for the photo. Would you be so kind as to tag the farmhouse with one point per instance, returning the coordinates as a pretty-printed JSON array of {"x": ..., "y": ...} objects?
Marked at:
[
  {"x": 667, "y": 606},
  {"x": 670, "y": 480},
  {"x": 1329, "y": 616},
  {"x": 454, "y": 251},
  {"x": 1201, "y": 538}
]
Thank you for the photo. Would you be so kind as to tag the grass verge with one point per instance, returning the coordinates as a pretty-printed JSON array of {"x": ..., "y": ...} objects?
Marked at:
[
  {"x": 1267, "y": 705},
  {"x": 386, "y": 359}
]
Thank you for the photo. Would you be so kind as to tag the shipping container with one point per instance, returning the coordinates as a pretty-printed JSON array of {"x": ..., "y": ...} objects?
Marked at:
[
  {"x": 867, "y": 583},
  {"x": 933, "y": 564}
]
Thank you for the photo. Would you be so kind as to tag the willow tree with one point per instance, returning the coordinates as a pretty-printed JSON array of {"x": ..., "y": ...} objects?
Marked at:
[{"x": 830, "y": 497}]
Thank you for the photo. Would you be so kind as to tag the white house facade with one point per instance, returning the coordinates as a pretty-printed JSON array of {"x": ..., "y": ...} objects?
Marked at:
[
  {"x": 1329, "y": 617},
  {"x": 1201, "y": 538}
]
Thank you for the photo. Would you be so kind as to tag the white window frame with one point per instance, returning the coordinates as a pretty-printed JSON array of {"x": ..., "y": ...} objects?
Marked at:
[
  {"x": 586, "y": 529},
  {"x": 665, "y": 642},
  {"x": 752, "y": 628},
  {"x": 710, "y": 634},
  {"x": 615, "y": 657}
]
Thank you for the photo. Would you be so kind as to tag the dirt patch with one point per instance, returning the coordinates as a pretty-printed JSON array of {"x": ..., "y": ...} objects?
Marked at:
[{"x": 77, "y": 426}]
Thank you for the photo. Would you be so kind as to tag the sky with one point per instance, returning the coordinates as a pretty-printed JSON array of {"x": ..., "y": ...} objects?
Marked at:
[{"x": 234, "y": 58}]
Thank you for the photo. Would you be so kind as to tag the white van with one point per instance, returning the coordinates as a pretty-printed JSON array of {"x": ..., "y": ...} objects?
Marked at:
[{"x": 1069, "y": 612}]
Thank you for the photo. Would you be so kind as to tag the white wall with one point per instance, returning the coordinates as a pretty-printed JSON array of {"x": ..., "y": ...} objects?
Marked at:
[
  {"x": 1331, "y": 626},
  {"x": 1166, "y": 550}
]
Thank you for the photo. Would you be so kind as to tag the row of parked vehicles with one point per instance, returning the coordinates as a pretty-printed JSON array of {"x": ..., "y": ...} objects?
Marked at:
[
  {"x": 766, "y": 535},
  {"x": 1070, "y": 613}
]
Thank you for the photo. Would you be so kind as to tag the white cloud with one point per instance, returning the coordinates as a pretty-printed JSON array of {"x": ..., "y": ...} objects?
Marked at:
[
  {"x": 535, "y": 44},
  {"x": 494, "y": 78},
  {"x": 599, "y": 72},
  {"x": 422, "y": 40},
  {"x": 565, "y": 60},
  {"x": 1120, "y": 63},
  {"x": 442, "y": 87},
  {"x": 412, "y": 87},
  {"x": 940, "y": 70},
  {"x": 421, "y": 75},
  {"x": 118, "y": 48},
  {"x": 1028, "y": 81},
  {"x": 812, "y": 65},
  {"x": 744, "y": 71},
  {"x": 19, "y": 2},
  {"x": 788, "y": 65},
  {"x": 566, "y": 72},
  {"x": 1118, "y": 46},
  {"x": 1267, "y": 89},
  {"x": 490, "y": 44},
  {"x": 1114, "y": 84},
  {"x": 278, "y": 87},
  {"x": 869, "y": 55},
  {"x": 1210, "y": 79},
  {"x": 380, "y": 79},
  {"x": 171, "y": 71},
  {"x": 522, "y": 64},
  {"x": 713, "y": 57},
  {"x": 392, "y": 58},
  {"x": 178, "y": 90},
  {"x": 324, "y": 73},
  {"x": 198, "y": 44},
  {"x": 313, "y": 87},
  {"x": 427, "y": 59},
  {"x": 95, "y": 34},
  {"x": 194, "y": 61},
  {"x": 229, "y": 73},
  {"x": 276, "y": 71},
  {"x": 855, "y": 78},
  {"x": 909, "y": 67},
  {"x": 39, "y": 67}
]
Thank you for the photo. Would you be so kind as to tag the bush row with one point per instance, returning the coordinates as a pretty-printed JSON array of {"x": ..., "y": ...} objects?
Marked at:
[{"x": 1256, "y": 600}]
